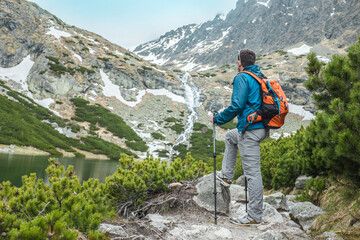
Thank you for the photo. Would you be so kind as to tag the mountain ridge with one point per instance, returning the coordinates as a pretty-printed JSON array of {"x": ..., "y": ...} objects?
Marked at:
[{"x": 281, "y": 24}]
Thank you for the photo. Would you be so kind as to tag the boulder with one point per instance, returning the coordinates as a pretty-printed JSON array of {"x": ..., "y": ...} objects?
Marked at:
[
  {"x": 301, "y": 182},
  {"x": 241, "y": 180},
  {"x": 158, "y": 221},
  {"x": 205, "y": 196},
  {"x": 270, "y": 235},
  {"x": 212, "y": 232},
  {"x": 290, "y": 200},
  {"x": 277, "y": 200},
  {"x": 237, "y": 193},
  {"x": 223, "y": 233},
  {"x": 270, "y": 214},
  {"x": 305, "y": 213},
  {"x": 112, "y": 229}
]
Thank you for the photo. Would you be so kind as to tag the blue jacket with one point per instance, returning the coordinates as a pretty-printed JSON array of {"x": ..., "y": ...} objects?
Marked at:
[{"x": 245, "y": 89}]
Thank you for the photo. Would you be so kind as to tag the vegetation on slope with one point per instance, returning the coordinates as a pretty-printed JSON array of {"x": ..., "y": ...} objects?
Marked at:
[
  {"x": 98, "y": 115},
  {"x": 66, "y": 209},
  {"x": 25, "y": 123}
]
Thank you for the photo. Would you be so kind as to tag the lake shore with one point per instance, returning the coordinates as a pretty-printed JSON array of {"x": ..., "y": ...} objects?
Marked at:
[{"x": 31, "y": 151}]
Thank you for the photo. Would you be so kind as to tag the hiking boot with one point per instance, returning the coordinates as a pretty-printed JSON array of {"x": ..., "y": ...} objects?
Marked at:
[
  {"x": 244, "y": 220},
  {"x": 223, "y": 180}
]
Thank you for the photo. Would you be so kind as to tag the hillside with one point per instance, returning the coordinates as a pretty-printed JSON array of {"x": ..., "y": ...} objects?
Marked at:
[
  {"x": 51, "y": 62},
  {"x": 264, "y": 26}
]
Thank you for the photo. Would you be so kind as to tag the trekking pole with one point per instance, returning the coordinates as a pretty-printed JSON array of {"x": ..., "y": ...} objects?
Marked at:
[
  {"x": 246, "y": 202},
  {"x": 215, "y": 192}
]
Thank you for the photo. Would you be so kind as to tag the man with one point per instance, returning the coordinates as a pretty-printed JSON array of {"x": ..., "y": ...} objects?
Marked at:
[{"x": 245, "y": 90}]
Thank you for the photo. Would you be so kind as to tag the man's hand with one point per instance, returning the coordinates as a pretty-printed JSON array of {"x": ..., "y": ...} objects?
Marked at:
[{"x": 212, "y": 118}]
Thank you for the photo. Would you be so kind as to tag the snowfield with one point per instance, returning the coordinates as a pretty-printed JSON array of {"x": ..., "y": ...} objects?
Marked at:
[
  {"x": 58, "y": 33},
  {"x": 304, "y": 49}
]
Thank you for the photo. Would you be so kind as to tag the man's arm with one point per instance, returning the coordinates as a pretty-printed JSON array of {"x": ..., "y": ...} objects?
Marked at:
[{"x": 238, "y": 101}]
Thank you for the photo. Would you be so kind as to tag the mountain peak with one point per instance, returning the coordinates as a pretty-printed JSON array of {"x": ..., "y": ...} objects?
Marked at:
[{"x": 262, "y": 25}]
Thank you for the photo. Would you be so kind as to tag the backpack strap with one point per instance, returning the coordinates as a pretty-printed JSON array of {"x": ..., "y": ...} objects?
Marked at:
[{"x": 259, "y": 80}]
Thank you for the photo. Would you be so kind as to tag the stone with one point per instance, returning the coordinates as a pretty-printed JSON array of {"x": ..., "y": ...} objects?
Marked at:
[
  {"x": 223, "y": 233},
  {"x": 205, "y": 196},
  {"x": 290, "y": 200},
  {"x": 158, "y": 221},
  {"x": 295, "y": 233},
  {"x": 241, "y": 181},
  {"x": 301, "y": 182},
  {"x": 277, "y": 200},
  {"x": 112, "y": 229},
  {"x": 270, "y": 235},
  {"x": 328, "y": 236},
  {"x": 270, "y": 214},
  {"x": 237, "y": 193},
  {"x": 305, "y": 213}
]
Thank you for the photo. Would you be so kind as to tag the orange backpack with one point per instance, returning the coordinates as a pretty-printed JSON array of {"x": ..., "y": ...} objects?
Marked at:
[{"x": 274, "y": 104}]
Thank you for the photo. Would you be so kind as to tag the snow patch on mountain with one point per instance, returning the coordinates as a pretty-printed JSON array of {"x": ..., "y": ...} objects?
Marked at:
[
  {"x": 19, "y": 73},
  {"x": 78, "y": 57},
  {"x": 304, "y": 49},
  {"x": 58, "y": 33},
  {"x": 266, "y": 4},
  {"x": 299, "y": 110},
  {"x": 112, "y": 90}
]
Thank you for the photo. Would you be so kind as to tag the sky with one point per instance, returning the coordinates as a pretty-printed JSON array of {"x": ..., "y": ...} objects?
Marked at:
[{"x": 129, "y": 23}]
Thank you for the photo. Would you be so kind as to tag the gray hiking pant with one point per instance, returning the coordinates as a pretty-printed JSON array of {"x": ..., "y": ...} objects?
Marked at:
[{"x": 249, "y": 147}]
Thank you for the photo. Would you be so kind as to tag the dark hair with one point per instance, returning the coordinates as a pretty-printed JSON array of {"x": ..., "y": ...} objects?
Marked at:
[{"x": 247, "y": 57}]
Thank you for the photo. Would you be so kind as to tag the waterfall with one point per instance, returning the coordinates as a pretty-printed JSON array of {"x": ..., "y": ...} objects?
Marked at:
[{"x": 192, "y": 101}]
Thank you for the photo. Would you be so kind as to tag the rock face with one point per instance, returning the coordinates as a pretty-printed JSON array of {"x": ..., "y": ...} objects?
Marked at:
[
  {"x": 67, "y": 61},
  {"x": 301, "y": 182},
  {"x": 112, "y": 229},
  {"x": 305, "y": 213},
  {"x": 205, "y": 197},
  {"x": 277, "y": 200},
  {"x": 263, "y": 26}
]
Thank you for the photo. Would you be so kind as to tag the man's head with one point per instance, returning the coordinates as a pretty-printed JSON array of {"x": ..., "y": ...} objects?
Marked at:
[{"x": 246, "y": 58}]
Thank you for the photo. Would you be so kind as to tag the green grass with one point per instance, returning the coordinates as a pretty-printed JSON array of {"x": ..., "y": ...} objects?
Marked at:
[
  {"x": 98, "y": 115},
  {"x": 146, "y": 68},
  {"x": 157, "y": 135},
  {"x": 60, "y": 69},
  {"x": 53, "y": 59},
  {"x": 281, "y": 52},
  {"x": 201, "y": 144},
  {"x": 228, "y": 125},
  {"x": 104, "y": 59},
  {"x": 21, "y": 123},
  {"x": 111, "y": 54},
  {"x": 84, "y": 69},
  {"x": 171, "y": 119}
]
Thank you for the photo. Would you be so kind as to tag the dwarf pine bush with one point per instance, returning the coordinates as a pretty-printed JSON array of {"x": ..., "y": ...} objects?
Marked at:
[
  {"x": 64, "y": 208},
  {"x": 135, "y": 181},
  {"x": 58, "y": 210}
]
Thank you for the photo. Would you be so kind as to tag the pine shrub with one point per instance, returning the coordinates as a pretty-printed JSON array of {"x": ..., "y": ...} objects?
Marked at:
[
  {"x": 135, "y": 181},
  {"x": 331, "y": 143},
  {"x": 58, "y": 210}
]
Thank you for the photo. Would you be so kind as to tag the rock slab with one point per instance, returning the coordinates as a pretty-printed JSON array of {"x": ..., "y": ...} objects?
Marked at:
[
  {"x": 205, "y": 196},
  {"x": 305, "y": 213}
]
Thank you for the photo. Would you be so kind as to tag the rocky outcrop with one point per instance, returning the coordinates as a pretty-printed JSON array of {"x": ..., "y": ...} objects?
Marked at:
[
  {"x": 277, "y": 200},
  {"x": 301, "y": 182},
  {"x": 263, "y": 26},
  {"x": 205, "y": 196},
  {"x": 67, "y": 60},
  {"x": 305, "y": 213},
  {"x": 283, "y": 217}
]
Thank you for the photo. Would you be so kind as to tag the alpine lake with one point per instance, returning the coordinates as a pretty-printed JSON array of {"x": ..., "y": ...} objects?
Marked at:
[{"x": 13, "y": 167}]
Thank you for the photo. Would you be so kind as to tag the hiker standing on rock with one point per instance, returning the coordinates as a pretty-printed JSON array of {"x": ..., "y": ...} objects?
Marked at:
[{"x": 246, "y": 137}]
